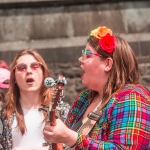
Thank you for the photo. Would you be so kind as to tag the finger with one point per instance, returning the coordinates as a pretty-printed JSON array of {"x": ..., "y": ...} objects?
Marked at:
[
  {"x": 48, "y": 128},
  {"x": 47, "y": 132},
  {"x": 47, "y": 136},
  {"x": 47, "y": 139},
  {"x": 47, "y": 122}
]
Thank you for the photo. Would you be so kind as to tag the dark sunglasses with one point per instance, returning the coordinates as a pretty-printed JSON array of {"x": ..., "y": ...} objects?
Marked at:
[{"x": 22, "y": 67}]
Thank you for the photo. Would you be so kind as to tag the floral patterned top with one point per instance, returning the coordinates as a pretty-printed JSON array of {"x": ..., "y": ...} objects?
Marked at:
[
  {"x": 5, "y": 132},
  {"x": 124, "y": 125}
]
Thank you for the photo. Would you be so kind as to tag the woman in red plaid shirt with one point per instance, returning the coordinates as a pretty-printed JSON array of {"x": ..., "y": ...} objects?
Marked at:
[{"x": 112, "y": 77}]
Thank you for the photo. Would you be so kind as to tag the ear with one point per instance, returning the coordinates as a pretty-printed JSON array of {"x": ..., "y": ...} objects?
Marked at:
[{"x": 109, "y": 63}]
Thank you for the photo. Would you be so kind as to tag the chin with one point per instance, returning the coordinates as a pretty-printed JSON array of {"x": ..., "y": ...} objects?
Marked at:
[
  {"x": 85, "y": 83},
  {"x": 32, "y": 89}
]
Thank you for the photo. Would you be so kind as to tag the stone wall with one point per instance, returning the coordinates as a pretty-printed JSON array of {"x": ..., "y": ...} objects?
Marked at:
[{"x": 59, "y": 33}]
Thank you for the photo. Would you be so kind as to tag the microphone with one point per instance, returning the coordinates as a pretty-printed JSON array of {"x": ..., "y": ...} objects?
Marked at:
[{"x": 49, "y": 82}]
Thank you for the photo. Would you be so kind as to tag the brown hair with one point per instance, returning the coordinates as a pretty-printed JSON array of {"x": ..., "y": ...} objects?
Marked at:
[
  {"x": 124, "y": 70},
  {"x": 2, "y": 96},
  {"x": 13, "y": 104}
]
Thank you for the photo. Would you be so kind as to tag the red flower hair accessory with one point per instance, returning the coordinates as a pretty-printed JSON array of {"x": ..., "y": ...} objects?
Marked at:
[{"x": 106, "y": 40}]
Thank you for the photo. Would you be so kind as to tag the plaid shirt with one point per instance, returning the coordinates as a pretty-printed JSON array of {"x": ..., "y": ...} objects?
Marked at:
[{"x": 124, "y": 125}]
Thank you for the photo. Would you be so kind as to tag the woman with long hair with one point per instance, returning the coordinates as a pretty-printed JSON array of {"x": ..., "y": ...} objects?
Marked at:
[
  {"x": 22, "y": 122},
  {"x": 122, "y": 104}
]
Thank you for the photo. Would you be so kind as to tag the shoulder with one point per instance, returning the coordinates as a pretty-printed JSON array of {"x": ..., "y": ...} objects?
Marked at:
[
  {"x": 132, "y": 92},
  {"x": 130, "y": 97},
  {"x": 133, "y": 96},
  {"x": 81, "y": 99},
  {"x": 78, "y": 107}
]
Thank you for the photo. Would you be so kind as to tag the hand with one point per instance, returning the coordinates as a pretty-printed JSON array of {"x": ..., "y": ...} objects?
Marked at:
[{"x": 59, "y": 133}]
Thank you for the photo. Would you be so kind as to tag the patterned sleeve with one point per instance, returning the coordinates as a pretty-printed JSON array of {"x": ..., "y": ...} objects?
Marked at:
[{"x": 129, "y": 126}]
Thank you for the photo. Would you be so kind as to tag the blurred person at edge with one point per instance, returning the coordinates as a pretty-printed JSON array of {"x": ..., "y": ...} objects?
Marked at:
[
  {"x": 3, "y": 64},
  {"x": 4, "y": 84},
  {"x": 112, "y": 77},
  {"x": 4, "y": 80},
  {"x": 22, "y": 123}
]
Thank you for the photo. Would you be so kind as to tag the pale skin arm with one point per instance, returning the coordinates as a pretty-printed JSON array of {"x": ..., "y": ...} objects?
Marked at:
[{"x": 60, "y": 134}]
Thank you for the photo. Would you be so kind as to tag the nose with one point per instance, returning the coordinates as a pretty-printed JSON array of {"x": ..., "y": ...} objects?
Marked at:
[
  {"x": 80, "y": 59},
  {"x": 29, "y": 69}
]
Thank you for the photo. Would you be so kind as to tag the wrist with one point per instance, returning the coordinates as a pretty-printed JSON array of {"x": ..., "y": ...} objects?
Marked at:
[{"x": 72, "y": 139}]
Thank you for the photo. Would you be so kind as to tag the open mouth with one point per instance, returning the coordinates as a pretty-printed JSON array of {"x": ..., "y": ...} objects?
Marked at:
[
  {"x": 30, "y": 80},
  {"x": 81, "y": 72}
]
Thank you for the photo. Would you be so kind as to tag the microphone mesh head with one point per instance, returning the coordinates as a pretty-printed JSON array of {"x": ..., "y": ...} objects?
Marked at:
[{"x": 49, "y": 82}]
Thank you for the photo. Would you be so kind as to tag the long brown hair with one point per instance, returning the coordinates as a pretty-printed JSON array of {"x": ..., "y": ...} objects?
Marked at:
[
  {"x": 124, "y": 70},
  {"x": 13, "y": 104}
]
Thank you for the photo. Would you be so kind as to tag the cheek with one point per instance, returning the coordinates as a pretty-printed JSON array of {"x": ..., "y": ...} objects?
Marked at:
[
  {"x": 19, "y": 77},
  {"x": 96, "y": 70},
  {"x": 93, "y": 65},
  {"x": 39, "y": 76}
]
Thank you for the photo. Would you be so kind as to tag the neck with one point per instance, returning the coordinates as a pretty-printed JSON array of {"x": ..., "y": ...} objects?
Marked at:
[{"x": 30, "y": 100}]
